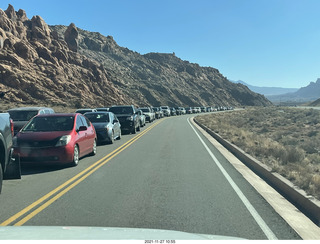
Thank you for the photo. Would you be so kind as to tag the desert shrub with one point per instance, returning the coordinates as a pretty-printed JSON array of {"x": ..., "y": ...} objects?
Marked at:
[
  {"x": 315, "y": 185},
  {"x": 314, "y": 159},
  {"x": 294, "y": 155},
  {"x": 285, "y": 139},
  {"x": 312, "y": 133},
  {"x": 290, "y": 140},
  {"x": 309, "y": 146}
]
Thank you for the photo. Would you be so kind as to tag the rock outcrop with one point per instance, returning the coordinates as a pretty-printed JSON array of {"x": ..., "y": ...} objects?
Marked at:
[
  {"x": 71, "y": 36},
  {"x": 162, "y": 78},
  {"x": 60, "y": 65},
  {"x": 40, "y": 68}
]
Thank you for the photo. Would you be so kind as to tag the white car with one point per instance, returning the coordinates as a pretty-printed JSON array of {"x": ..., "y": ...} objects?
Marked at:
[
  {"x": 166, "y": 110},
  {"x": 142, "y": 118},
  {"x": 149, "y": 113}
]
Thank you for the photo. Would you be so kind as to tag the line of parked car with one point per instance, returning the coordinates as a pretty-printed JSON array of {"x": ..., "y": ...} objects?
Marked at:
[
  {"x": 38, "y": 134},
  {"x": 41, "y": 135}
]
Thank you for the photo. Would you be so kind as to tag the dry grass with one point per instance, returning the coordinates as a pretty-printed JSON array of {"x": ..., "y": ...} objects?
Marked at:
[
  {"x": 285, "y": 139},
  {"x": 4, "y": 106}
]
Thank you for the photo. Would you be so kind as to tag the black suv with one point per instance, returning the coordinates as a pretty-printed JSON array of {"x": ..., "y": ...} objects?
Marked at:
[{"x": 128, "y": 117}]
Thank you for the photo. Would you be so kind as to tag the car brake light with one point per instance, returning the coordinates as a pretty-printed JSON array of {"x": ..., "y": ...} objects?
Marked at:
[{"x": 12, "y": 127}]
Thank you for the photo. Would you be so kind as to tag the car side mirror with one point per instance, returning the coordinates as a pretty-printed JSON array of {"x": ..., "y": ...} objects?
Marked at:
[
  {"x": 82, "y": 128},
  {"x": 115, "y": 121}
]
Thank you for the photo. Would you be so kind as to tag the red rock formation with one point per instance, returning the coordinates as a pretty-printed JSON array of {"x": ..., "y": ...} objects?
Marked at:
[{"x": 39, "y": 68}]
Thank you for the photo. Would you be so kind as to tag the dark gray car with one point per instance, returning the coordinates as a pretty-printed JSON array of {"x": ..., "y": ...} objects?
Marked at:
[
  {"x": 128, "y": 117},
  {"x": 106, "y": 124},
  {"x": 22, "y": 115}
]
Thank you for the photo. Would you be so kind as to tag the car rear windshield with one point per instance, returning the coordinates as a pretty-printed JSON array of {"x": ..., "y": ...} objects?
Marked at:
[
  {"x": 59, "y": 123},
  {"x": 145, "y": 110},
  {"x": 121, "y": 110},
  {"x": 98, "y": 117},
  {"x": 82, "y": 111},
  {"x": 22, "y": 115}
]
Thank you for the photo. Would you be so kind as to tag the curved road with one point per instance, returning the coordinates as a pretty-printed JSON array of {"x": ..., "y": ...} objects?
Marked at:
[{"x": 168, "y": 176}]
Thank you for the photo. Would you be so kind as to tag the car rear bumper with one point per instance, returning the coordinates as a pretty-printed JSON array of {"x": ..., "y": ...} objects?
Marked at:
[
  {"x": 127, "y": 125},
  {"x": 103, "y": 135},
  {"x": 63, "y": 154},
  {"x": 166, "y": 113}
]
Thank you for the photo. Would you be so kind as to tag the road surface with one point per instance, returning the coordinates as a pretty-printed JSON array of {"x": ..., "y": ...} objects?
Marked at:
[{"x": 167, "y": 176}]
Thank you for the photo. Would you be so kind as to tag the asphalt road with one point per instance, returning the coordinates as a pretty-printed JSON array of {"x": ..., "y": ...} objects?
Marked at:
[{"x": 167, "y": 176}]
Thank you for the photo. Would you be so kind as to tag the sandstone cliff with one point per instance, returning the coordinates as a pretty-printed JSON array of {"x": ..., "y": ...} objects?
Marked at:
[
  {"x": 39, "y": 68},
  {"x": 62, "y": 65}
]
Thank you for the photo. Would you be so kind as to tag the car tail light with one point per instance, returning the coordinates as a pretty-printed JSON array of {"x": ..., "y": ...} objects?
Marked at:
[{"x": 12, "y": 127}]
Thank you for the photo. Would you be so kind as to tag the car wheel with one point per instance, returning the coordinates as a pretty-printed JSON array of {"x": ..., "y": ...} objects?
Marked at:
[
  {"x": 138, "y": 129},
  {"x": 134, "y": 130},
  {"x": 1, "y": 177},
  {"x": 119, "y": 137},
  {"x": 94, "y": 148},
  {"x": 13, "y": 170},
  {"x": 75, "y": 161},
  {"x": 112, "y": 138}
]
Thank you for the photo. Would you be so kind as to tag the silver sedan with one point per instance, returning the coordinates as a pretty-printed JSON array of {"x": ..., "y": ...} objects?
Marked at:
[{"x": 106, "y": 124}]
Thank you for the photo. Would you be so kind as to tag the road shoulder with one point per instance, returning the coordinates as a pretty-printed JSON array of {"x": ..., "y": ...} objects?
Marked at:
[{"x": 296, "y": 219}]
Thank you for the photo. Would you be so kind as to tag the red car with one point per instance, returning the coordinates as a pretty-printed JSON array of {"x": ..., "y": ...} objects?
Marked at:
[{"x": 56, "y": 138}]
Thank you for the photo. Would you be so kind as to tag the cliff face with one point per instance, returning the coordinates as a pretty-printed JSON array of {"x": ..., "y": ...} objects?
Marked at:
[
  {"x": 68, "y": 66},
  {"x": 159, "y": 78},
  {"x": 39, "y": 68}
]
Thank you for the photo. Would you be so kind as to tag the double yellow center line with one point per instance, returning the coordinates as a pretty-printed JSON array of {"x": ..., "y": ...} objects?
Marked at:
[{"x": 42, "y": 203}]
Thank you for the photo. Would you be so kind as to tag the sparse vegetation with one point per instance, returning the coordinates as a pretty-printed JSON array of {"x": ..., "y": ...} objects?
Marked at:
[
  {"x": 285, "y": 139},
  {"x": 4, "y": 106}
]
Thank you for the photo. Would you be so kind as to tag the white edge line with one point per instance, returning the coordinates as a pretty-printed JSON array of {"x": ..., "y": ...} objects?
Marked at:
[{"x": 262, "y": 224}]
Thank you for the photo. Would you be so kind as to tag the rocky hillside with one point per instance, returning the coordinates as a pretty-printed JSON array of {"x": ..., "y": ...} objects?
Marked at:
[
  {"x": 39, "y": 68},
  {"x": 59, "y": 65},
  {"x": 315, "y": 103}
]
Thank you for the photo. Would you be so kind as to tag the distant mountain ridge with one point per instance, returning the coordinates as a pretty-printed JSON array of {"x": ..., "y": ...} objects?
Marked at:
[
  {"x": 268, "y": 91},
  {"x": 304, "y": 94},
  {"x": 287, "y": 95}
]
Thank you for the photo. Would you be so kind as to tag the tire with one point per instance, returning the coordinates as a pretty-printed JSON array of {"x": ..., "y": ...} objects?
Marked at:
[
  {"x": 75, "y": 160},
  {"x": 119, "y": 137},
  {"x": 1, "y": 178},
  {"x": 138, "y": 129},
  {"x": 94, "y": 148},
  {"x": 112, "y": 138},
  {"x": 13, "y": 170},
  {"x": 134, "y": 130}
]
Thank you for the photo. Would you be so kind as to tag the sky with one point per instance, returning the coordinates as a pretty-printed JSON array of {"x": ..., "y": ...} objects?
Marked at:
[{"x": 272, "y": 43}]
